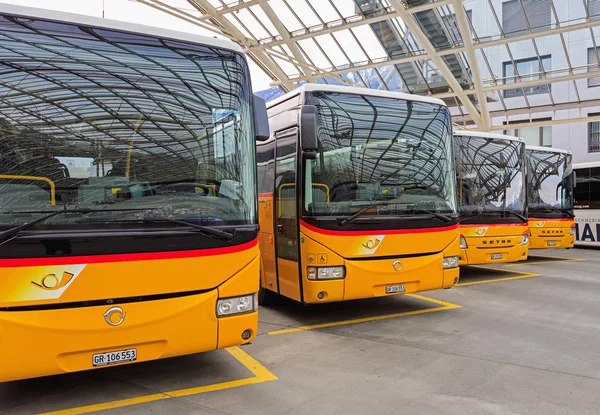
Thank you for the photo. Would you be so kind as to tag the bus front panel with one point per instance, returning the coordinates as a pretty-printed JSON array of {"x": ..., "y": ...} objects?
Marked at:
[
  {"x": 369, "y": 264},
  {"x": 85, "y": 312},
  {"x": 486, "y": 244},
  {"x": 552, "y": 233}
]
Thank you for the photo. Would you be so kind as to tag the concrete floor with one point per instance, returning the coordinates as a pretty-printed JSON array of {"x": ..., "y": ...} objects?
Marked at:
[{"x": 526, "y": 342}]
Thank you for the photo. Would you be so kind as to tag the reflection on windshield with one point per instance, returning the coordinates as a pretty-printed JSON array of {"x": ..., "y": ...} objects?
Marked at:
[
  {"x": 490, "y": 174},
  {"x": 107, "y": 120},
  {"x": 391, "y": 153},
  {"x": 550, "y": 184}
]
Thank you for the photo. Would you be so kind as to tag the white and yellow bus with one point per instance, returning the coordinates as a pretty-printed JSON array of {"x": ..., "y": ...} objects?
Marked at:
[{"x": 128, "y": 222}]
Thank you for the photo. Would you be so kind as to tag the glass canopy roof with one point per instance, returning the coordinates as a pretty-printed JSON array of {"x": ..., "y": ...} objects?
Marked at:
[{"x": 487, "y": 59}]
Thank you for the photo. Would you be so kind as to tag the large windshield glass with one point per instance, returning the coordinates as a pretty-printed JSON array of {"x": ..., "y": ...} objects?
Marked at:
[
  {"x": 550, "y": 184},
  {"x": 391, "y": 153},
  {"x": 490, "y": 174},
  {"x": 93, "y": 118}
]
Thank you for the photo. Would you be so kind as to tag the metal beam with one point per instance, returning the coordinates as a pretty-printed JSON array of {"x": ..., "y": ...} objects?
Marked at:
[
  {"x": 524, "y": 84},
  {"x": 465, "y": 33},
  {"x": 545, "y": 123},
  {"x": 422, "y": 39},
  {"x": 458, "y": 49},
  {"x": 286, "y": 36},
  {"x": 535, "y": 110},
  {"x": 232, "y": 8},
  {"x": 354, "y": 21},
  {"x": 232, "y": 31}
]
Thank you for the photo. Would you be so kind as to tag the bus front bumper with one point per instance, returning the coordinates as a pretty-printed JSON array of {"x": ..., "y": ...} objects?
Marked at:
[
  {"x": 551, "y": 240},
  {"x": 473, "y": 255},
  {"x": 55, "y": 341},
  {"x": 367, "y": 278}
]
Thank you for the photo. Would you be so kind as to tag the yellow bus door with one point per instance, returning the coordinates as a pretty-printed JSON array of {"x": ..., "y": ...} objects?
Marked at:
[{"x": 286, "y": 215}]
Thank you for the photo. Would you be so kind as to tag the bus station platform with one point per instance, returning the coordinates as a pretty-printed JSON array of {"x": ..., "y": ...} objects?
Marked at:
[{"x": 513, "y": 338}]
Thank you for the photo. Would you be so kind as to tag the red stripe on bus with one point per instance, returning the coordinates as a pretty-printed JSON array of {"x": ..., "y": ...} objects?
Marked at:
[
  {"x": 491, "y": 225},
  {"x": 144, "y": 256},
  {"x": 377, "y": 232}
]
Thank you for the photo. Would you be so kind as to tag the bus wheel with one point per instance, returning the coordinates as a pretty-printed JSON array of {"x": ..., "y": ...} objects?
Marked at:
[{"x": 267, "y": 297}]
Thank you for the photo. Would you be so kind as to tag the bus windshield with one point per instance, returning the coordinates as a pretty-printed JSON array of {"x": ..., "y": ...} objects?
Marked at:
[
  {"x": 136, "y": 126},
  {"x": 550, "y": 184},
  {"x": 392, "y": 154},
  {"x": 490, "y": 174}
]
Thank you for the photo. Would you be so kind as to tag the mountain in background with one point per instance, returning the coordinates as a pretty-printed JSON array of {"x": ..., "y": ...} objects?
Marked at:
[{"x": 388, "y": 73}]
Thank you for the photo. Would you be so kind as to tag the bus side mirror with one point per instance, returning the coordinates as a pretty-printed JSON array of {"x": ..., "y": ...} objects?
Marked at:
[
  {"x": 261, "y": 119},
  {"x": 574, "y": 179},
  {"x": 308, "y": 131}
]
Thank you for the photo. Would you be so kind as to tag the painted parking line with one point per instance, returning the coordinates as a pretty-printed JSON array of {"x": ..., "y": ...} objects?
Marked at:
[
  {"x": 545, "y": 260},
  {"x": 443, "y": 305},
  {"x": 521, "y": 275},
  {"x": 261, "y": 374}
]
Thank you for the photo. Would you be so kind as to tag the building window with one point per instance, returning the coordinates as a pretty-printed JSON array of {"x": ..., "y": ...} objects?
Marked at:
[
  {"x": 593, "y": 135},
  {"x": 593, "y": 9},
  {"x": 533, "y": 136},
  {"x": 452, "y": 26},
  {"x": 513, "y": 20},
  {"x": 592, "y": 58},
  {"x": 528, "y": 69}
]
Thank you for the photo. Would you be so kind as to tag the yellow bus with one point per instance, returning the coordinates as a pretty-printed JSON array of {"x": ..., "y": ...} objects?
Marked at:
[
  {"x": 490, "y": 172},
  {"x": 129, "y": 221},
  {"x": 356, "y": 195},
  {"x": 550, "y": 183}
]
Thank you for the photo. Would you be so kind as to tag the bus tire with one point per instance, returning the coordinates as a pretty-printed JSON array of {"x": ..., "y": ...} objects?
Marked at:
[{"x": 267, "y": 297}]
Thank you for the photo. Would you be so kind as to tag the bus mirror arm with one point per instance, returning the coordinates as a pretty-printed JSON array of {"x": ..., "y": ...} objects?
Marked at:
[
  {"x": 308, "y": 129},
  {"x": 309, "y": 155},
  {"x": 574, "y": 180},
  {"x": 261, "y": 119}
]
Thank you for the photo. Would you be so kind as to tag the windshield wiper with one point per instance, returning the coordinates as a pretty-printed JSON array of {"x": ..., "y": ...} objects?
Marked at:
[
  {"x": 436, "y": 215},
  {"x": 350, "y": 219},
  {"x": 553, "y": 209},
  {"x": 518, "y": 215},
  {"x": 10, "y": 233},
  {"x": 481, "y": 212},
  {"x": 207, "y": 230}
]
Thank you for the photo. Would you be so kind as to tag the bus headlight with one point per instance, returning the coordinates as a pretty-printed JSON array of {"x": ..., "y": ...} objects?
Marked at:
[
  {"x": 463, "y": 242},
  {"x": 525, "y": 238},
  {"x": 325, "y": 273},
  {"x": 236, "y": 305},
  {"x": 572, "y": 230},
  {"x": 450, "y": 262}
]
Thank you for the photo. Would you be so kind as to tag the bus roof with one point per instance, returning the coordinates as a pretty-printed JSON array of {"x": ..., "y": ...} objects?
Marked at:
[
  {"x": 354, "y": 90},
  {"x": 98, "y": 22},
  {"x": 587, "y": 165},
  {"x": 547, "y": 149},
  {"x": 474, "y": 133}
]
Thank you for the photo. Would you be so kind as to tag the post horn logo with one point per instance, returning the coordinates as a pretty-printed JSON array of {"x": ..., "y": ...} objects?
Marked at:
[
  {"x": 372, "y": 243},
  {"x": 541, "y": 223},
  {"x": 114, "y": 316},
  {"x": 51, "y": 282},
  {"x": 481, "y": 231},
  {"x": 397, "y": 265}
]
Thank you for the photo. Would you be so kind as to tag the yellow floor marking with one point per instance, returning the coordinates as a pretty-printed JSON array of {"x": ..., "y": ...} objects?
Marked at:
[
  {"x": 261, "y": 374},
  {"x": 444, "y": 306},
  {"x": 522, "y": 275},
  {"x": 552, "y": 259}
]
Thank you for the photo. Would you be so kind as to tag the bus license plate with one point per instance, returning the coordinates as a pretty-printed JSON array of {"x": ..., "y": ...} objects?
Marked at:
[
  {"x": 497, "y": 256},
  {"x": 393, "y": 289},
  {"x": 111, "y": 358},
  {"x": 551, "y": 243}
]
